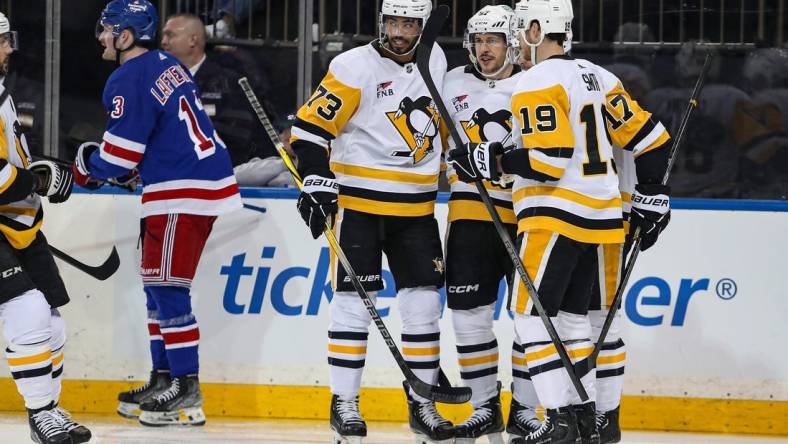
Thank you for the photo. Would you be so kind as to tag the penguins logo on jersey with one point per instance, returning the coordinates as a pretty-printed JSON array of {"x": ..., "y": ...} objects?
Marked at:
[
  {"x": 417, "y": 122},
  {"x": 484, "y": 127}
]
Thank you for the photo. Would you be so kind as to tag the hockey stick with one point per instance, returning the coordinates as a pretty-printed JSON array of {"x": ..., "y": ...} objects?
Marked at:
[
  {"x": 428, "y": 36},
  {"x": 444, "y": 393},
  {"x": 693, "y": 103},
  {"x": 101, "y": 272}
]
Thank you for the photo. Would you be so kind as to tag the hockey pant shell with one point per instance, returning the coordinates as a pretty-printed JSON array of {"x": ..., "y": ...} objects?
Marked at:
[
  {"x": 412, "y": 246},
  {"x": 611, "y": 361},
  {"x": 562, "y": 271},
  {"x": 30, "y": 268},
  {"x": 171, "y": 248}
]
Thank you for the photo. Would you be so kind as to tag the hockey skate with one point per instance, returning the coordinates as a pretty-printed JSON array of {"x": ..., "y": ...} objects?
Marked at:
[
  {"x": 522, "y": 420},
  {"x": 129, "y": 406},
  {"x": 180, "y": 404},
  {"x": 346, "y": 421},
  {"x": 608, "y": 426},
  {"x": 46, "y": 428},
  {"x": 426, "y": 423},
  {"x": 76, "y": 431},
  {"x": 487, "y": 420},
  {"x": 559, "y": 427},
  {"x": 586, "y": 422}
]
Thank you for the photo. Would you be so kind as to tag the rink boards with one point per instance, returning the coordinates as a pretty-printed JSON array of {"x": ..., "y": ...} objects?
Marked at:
[{"x": 704, "y": 317}]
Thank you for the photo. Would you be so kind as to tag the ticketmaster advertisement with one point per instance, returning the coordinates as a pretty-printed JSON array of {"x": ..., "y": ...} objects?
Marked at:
[{"x": 704, "y": 310}]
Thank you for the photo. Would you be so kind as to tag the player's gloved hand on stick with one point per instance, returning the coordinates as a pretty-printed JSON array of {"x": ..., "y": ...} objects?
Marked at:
[
  {"x": 81, "y": 173},
  {"x": 128, "y": 181},
  {"x": 55, "y": 181},
  {"x": 476, "y": 161},
  {"x": 317, "y": 202},
  {"x": 650, "y": 212}
]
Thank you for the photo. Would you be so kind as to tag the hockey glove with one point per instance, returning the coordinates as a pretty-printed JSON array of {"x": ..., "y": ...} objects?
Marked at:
[
  {"x": 81, "y": 173},
  {"x": 317, "y": 202},
  {"x": 54, "y": 180},
  {"x": 128, "y": 181},
  {"x": 476, "y": 161},
  {"x": 650, "y": 212}
]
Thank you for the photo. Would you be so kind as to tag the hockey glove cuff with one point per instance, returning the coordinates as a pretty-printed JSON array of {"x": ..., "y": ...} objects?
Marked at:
[
  {"x": 650, "y": 212},
  {"x": 80, "y": 170},
  {"x": 317, "y": 202},
  {"x": 54, "y": 180},
  {"x": 476, "y": 161}
]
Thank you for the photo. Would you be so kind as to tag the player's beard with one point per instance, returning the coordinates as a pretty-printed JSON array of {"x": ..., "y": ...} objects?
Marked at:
[
  {"x": 404, "y": 47},
  {"x": 4, "y": 67}
]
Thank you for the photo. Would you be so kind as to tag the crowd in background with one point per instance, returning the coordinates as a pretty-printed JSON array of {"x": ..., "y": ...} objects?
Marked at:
[{"x": 736, "y": 145}]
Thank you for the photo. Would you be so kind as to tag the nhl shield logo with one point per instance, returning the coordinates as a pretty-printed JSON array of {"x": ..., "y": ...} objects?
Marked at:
[{"x": 417, "y": 122}]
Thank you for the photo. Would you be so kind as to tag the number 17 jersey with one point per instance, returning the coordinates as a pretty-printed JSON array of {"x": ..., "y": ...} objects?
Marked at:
[
  {"x": 560, "y": 117},
  {"x": 157, "y": 124}
]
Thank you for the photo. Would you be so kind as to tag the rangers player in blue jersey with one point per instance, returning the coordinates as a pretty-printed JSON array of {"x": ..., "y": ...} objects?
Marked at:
[{"x": 157, "y": 128}]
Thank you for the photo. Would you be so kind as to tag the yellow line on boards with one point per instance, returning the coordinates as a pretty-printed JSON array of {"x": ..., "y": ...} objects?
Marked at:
[{"x": 388, "y": 404}]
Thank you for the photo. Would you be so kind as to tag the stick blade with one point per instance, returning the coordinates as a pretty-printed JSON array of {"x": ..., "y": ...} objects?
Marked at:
[
  {"x": 109, "y": 267},
  {"x": 445, "y": 395}
]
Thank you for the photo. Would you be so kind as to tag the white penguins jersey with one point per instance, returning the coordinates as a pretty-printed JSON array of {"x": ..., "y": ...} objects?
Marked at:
[
  {"x": 562, "y": 108},
  {"x": 479, "y": 109},
  {"x": 379, "y": 125},
  {"x": 20, "y": 220}
]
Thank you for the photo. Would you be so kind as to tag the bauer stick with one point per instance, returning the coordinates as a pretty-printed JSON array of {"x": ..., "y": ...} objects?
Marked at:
[
  {"x": 444, "y": 393},
  {"x": 428, "y": 36},
  {"x": 693, "y": 103},
  {"x": 101, "y": 272}
]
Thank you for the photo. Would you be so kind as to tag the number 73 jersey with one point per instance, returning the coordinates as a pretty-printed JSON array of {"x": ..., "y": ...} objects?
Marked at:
[{"x": 567, "y": 116}]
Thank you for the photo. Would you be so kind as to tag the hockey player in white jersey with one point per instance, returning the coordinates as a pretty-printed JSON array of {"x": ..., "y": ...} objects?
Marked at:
[
  {"x": 568, "y": 205},
  {"x": 478, "y": 95},
  {"x": 369, "y": 151},
  {"x": 31, "y": 289}
]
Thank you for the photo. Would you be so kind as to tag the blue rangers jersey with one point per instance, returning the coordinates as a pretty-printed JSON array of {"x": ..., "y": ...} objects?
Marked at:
[{"x": 157, "y": 124}]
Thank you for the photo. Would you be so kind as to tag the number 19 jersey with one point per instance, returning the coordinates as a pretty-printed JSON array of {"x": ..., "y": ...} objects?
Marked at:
[{"x": 560, "y": 118}]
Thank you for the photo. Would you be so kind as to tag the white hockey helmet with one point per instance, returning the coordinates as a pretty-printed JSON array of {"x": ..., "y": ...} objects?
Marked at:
[
  {"x": 5, "y": 31},
  {"x": 553, "y": 16},
  {"x": 497, "y": 19},
  {"x": 418, "y": 9}
]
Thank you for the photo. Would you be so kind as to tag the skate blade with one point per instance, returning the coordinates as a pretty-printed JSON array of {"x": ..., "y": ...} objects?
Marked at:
[
  {"x": 129, "y": 410},
  {"x": 193, "y": 416},
  {"x": 339, "y": 439},
  {"x": 421, "y": 439},
  {"x": 492, "y": 438}
]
